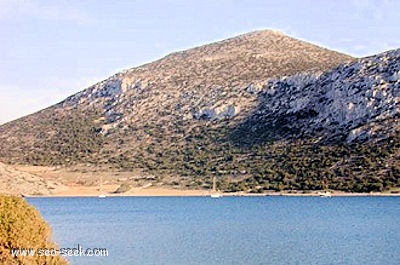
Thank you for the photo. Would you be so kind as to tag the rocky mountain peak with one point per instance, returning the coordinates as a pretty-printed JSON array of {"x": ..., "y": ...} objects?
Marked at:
[{"x": 203, "y": 82}]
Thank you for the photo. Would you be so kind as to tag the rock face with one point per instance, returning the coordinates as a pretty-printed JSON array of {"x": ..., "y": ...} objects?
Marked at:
[{"x": 355, "y": 102}]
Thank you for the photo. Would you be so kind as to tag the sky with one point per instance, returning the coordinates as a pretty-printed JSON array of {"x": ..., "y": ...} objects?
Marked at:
[{"x": 51, "y": 49}]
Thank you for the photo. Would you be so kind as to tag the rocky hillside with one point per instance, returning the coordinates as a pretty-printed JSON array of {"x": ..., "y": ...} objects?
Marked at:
[
  {"x": 355, "y": 102},
  {"x": 157, "y": 105}
]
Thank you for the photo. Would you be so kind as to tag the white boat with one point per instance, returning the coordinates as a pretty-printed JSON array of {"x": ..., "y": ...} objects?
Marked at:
[
  {"x": 325, "y": 194},
  {"x": 215, "y": 193},
  {"x": 102, "y": 196}
]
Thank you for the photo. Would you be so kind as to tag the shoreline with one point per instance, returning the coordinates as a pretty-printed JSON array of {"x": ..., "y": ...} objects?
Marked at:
[
  {"x": 82, "y": 191},
  {"x": 80, "y": 182}
]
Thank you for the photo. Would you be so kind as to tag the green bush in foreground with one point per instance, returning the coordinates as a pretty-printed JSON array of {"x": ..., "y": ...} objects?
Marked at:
[{"x": 22, "y": 227}]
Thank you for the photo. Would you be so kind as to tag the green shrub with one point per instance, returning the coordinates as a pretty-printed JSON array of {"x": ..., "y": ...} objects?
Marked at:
[{"x": 22, "y": 227}]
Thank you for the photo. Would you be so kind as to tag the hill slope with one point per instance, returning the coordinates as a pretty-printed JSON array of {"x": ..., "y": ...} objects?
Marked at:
[
  {"x": 17, "y": 182},
  {"x": 157, "y": 105}
]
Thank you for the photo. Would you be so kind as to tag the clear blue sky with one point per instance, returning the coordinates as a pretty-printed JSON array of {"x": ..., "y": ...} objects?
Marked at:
[{"x": 50, "y": 49}]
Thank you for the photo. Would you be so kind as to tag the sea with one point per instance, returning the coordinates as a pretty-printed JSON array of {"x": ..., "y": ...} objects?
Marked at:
[{"x": 229, "y": 230}]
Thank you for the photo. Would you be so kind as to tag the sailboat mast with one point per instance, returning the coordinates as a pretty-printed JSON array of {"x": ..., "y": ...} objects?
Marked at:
[{"x": 214, "y": 183}]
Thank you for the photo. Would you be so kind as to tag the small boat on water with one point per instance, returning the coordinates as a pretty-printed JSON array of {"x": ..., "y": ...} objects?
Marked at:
[
  {"x": 216, "y": 195},
  {"x": 325, "y": 194}
]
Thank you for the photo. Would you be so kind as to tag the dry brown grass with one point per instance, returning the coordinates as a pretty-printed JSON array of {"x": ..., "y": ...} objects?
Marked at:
[{"x": 14, "y": 181}]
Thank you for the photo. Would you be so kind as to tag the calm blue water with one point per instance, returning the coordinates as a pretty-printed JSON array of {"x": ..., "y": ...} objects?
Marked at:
[{"x": 236, "y": 230}]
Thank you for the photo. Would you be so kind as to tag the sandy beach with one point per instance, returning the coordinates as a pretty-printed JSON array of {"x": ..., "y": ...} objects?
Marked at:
[{"x": 108, "y": 191}]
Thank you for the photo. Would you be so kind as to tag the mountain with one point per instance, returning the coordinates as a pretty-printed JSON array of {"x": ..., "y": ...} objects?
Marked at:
[
  {"x": 261, "y": 111},
  {"x": 161, "y": 102}
]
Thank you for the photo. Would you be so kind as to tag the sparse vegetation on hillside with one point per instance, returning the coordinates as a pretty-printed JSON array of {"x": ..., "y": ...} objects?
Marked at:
[
  {"x": 71, "y": 139},
  {"x": 22, "y": 227},
  {"x": 282, "y": 165}
]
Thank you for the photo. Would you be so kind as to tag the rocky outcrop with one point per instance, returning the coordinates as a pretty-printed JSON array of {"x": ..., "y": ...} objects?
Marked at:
[
  {"x": 358, "y": 101},
  {"x": 224, "y": 112}
]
